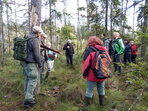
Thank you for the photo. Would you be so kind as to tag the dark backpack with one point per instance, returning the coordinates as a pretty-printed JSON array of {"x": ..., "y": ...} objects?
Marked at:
[
  {"x": 101, "y": 66},
  {"x": 20, "y": 48},
  {"x": 112, "y": 49}
]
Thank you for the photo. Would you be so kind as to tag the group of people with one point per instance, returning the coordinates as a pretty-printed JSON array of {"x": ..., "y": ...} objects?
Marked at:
[
  {"x": 129, "y": 49},
  {"x": 34, "y": 63},
  {"x": 130, "y": 52}
]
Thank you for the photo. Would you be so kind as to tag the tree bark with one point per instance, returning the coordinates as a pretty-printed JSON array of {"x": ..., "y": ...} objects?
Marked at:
[
  {"x": 78, "y": 27},
  {"x": 145, "y": 25},
  {"x": 36, "y": 13},
  {"x": 29, "y": 16},
  {"x": 106, "y": 16},
  {"x": 133, "y": 21},
  {"x": 8, "y": 33},
  {"x": 88, "y": 23},
  {"x": 2, "y": 33},
  {"x": 111, "y": 19},
  {"x": 36, "y": 21},
  {"x": 50, "y": 22}
]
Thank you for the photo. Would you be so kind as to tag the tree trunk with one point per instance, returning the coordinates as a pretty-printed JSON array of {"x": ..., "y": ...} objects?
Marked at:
[
  {"x": 106, "y": 16},
  {"x": 78, "y": 27},
  {"x": 29, "y": 16},
  {"x": 15, "y": 19},
  {"x": 36, "y": 21},
  {"x": 65, "y": 11},
  {"x": 50, "y": 22},
  {"x": 145, "y": 25},
  {"x": 8, "y": 33},
  {"x": 2, "y": 33},
  {"x": 88, "y": 23},
  {"x": 111, "y": 19},
  {"x": 36, "y": 13},
  {"x": 133, "y": 35},
  {"x": 125, "y": 16}
]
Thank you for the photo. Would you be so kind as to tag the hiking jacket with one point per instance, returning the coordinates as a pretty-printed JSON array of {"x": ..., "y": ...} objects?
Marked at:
[
  {"x": 134, "y": 49},
  {"x": 43, "y": 53},
  {"x": 33, "y": 49},
  {"x": 119, "y": 46},
  {"x": 106, "y": 43},
  {"x": 128, "y": 48},
  {"x": 70, "y": 50},
  {"x": 88, "y": 63}
]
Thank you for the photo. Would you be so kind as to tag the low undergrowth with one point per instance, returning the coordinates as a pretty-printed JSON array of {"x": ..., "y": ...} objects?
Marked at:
[{"x": 65, "y": 88}]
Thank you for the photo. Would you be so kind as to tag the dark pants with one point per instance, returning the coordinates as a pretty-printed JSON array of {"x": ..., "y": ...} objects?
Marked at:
[
  {"x": 133, "y": 58},
  {"x": 69, "y": 59},
  {"x": 127, "y": 57},
  {"x": 117, "y": 60}
]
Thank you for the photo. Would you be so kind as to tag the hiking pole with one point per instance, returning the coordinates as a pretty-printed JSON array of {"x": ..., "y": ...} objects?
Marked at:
[{"x": 47, "y": 48}]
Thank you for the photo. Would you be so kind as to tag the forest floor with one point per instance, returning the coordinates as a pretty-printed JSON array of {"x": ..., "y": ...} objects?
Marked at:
[{"x": 65, "y": 90}]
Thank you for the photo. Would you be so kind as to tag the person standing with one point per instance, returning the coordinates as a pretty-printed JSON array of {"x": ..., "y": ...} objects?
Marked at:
[
  {"x": 106, "y": 41},
  {"x": 119, "y": 49},
  {"x": 50, "y": 60},
  {"x": 127, "y": 52},
  {"x": 43, "y": 54},
  {"x": 134, "y": 52},
  {"x": 69, "y": 51},
  {"x": 31, "y": 66},
  {"x": 88, "y": 73}
]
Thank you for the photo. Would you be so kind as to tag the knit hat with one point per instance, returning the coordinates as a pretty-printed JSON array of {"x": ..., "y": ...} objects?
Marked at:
[
  {"x": 44, "y": 35},
  {"x": 37, "y": 29},
  {"x": 69, "y": 41}
]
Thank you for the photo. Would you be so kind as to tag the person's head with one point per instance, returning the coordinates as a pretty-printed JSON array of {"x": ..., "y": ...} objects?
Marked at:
[
  {"x": 49, "y": 44},
  {"x": 37, "y": 30},
  {"x": 93, "y": 40},
  {"x": 116, "y": 35},
  {"x": 126, "y": 41},
  {"x": 104, "y": 35},
  {"x": 132, "y": 42},
  {"x": 43, "y": 36},
  {"x": 69, "y": 41}
]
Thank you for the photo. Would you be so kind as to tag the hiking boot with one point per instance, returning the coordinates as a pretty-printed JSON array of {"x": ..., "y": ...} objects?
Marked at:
[
  {"x": 47, "y": 74},
  {"x": 28, "y": 104},
  {"x": 119, "y": 74},
  {"x": 87, "y": 101},
  {"x": 101, "y": 100}
]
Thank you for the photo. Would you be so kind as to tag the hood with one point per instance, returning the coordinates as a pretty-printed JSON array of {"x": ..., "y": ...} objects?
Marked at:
[{"x": 100, "y": 47}]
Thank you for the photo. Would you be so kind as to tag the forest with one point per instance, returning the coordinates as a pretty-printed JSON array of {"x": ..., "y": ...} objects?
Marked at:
[{"x": 74, "y": 20}]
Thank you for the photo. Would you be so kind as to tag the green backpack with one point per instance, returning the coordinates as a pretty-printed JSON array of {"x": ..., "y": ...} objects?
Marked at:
[{"x": 20, "y": 48}]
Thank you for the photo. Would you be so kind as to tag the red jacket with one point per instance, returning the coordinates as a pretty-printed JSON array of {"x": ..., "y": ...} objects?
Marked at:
[
  {"x": 89, "y": 59},
  {"x": 134, "y": 49}
]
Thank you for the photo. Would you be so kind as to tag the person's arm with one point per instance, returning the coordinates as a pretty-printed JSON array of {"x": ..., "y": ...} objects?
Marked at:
[
  {"x": 65, "y": 47},
  {"x": 36, "y": 51},
  {"x": 72, "y": 49},
  {"x": 86, "y": 66},
  {"x": 122, "y": 48}
]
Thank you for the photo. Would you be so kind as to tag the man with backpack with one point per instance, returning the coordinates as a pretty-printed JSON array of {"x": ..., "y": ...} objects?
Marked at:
[
  {"x": 32, "y": 65},
  {"x": 119, "y": 48}
]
